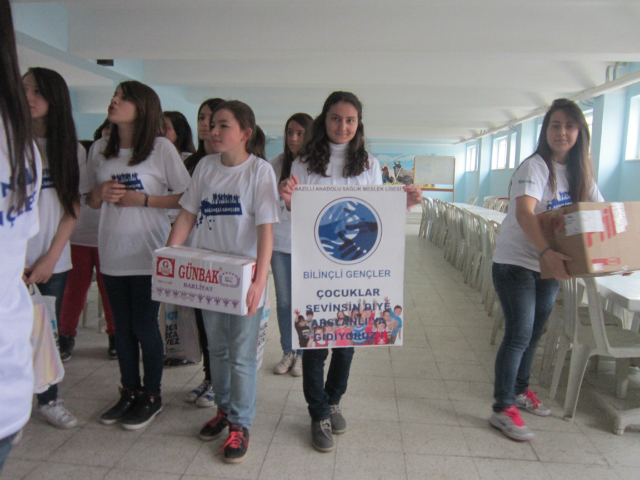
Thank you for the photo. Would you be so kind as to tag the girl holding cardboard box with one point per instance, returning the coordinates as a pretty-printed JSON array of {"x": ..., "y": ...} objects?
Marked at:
[{"x": 558, "y": 173}]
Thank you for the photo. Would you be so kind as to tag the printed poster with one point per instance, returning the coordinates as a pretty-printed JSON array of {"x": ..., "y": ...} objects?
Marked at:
[{"x": 347, "y": 265}]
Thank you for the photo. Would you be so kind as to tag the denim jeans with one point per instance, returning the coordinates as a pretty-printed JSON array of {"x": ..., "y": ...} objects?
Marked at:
[
  {"x": 320, "y": 395},
  {"x": 281, "y": 268},
  {"x": 5, "y": 448},
  {"x": 54, "y": 287},
  {"x": 136, "y": 320},
  {"x": 232, "y": 341},
  {"x": 526, "y": 301}
]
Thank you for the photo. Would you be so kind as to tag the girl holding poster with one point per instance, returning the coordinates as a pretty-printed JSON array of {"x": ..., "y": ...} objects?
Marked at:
[
  {"x": 295, "y": 133},
  {"x": 235, "y": 178},
  {"x": 558, "y": 173},
  {"x": 334, "y": 155}
]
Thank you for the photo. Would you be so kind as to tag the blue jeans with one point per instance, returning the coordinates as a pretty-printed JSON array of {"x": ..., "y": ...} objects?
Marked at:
[
  {"x": 54, "y": 287},
  {"x": 281, "y": 268},
  {"x": 135, "y": 317},
  {"x": 232, "y": 341},
  {"x": 5, "y": 448},
  {"x": 320, "y": 395},
  {"x": 526, "y": 301}
]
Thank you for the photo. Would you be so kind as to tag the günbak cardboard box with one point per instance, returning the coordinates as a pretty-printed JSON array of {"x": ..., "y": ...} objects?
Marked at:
[
  {"x": 602, "y": 238},
  {"x": 199, "y": 278}
]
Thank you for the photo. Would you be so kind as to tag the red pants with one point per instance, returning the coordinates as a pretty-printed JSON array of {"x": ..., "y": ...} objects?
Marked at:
[{"x": 84, "y": 259}]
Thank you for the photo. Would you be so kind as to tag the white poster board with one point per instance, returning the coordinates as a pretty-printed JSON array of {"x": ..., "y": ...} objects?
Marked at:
[{"x": 347, "y": 265}]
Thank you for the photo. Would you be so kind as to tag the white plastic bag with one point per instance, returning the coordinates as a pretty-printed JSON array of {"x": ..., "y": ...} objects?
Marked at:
[
  {"x": 47, "y": 366},
  {"x": 181, "y": 332}
]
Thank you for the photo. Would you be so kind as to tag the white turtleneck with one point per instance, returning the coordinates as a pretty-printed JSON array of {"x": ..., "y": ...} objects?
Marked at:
[{"x": 371, "y": 176}]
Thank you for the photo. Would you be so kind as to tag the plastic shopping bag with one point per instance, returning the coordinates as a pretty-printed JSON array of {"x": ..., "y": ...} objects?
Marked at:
[
  {"x": 181, "y": 332},
  {"x": 47, "y": 366},
  {"x": 262, "y": 336}
]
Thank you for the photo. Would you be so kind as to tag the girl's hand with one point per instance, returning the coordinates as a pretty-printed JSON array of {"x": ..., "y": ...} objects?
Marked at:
[
  {"x": 41, "y": 271},
  {"x": 111, "y": 191},
  {"x": 555, "y": 261},
  {"x": 131, "y": 198},
  {"x": 414, "y": 195},
  {"x": 286, "y": 188},
  {"x": 254, "y": 294}
]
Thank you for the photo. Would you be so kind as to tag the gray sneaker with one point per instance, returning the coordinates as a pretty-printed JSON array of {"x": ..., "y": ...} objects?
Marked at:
[
  {"x": 338, "y": 423},
  {"x": 321, "y": 436}
]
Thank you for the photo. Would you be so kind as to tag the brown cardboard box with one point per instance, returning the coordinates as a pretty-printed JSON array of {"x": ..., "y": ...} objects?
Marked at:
[{"x": 602, "y": 238}]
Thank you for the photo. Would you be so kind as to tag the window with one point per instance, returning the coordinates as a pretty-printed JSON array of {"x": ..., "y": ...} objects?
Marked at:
[
  {"x": 499, "y": 154},
  {"x": 472, "y": 158},
  {"x": 512, "y": 149},
  {"x": 633, "y": 130},
  {"x": 588, "y": 116}
]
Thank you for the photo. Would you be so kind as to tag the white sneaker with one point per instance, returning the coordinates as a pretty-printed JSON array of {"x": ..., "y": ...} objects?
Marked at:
[
  {"x": 58, "y": 416},
  {"x": 531, "y": 404},
  {"x": 509, "y": 421},
  {"x": 206, "y": 399},
  {"x": 285, "y": 364},
  {"x": 296, "y": 370},
  {"x": 194, "y": 394}
]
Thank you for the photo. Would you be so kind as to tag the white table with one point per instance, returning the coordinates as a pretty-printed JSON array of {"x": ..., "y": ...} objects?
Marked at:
[{"x": 487, "y": 213}]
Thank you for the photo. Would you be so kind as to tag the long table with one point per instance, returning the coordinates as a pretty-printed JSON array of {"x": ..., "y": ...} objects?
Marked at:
[{"x": 487, "y": 213}]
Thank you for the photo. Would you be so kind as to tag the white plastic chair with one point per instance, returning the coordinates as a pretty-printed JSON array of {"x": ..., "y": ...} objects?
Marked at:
[
  {"x": 472, "y": 201},
  {"x": 426, "y": 222},
  {"x": 488, "y": 201},
  {"x": 595, "y": 338}
]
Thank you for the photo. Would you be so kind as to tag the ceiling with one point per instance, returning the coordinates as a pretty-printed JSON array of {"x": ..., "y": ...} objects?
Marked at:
[{"x": 424, "y": 70}]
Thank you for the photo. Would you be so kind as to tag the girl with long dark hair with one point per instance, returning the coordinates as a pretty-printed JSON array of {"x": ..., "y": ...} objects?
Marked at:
[
  {"x": 48, "y": 254},
  {"x": 128, "y": 177},
  {"x": 178, "y": 132},
  {"x": 558, "y": 173},
  {"x": 334, "y": 155},
  {"x": 296, "y": 131},
  {"x": 20, "y": 175}
]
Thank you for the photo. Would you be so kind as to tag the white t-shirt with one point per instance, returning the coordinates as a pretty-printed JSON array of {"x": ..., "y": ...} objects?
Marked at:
[
  {"x": 230, "y": 202},
  {"x": 282, "y": 230},
  {"x": 16, "y": 309},
  {"x": 85, "y": 232},
  {"x": 532, "y": 179},
  {"x": 371, "y": 176},
  {"x": 51, "y": 212},
  {"x": 128, "y": 236}
]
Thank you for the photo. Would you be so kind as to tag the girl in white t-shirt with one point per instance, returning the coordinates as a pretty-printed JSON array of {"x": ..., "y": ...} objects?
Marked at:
[
  {"x": 21, "y": 173},
  {"x": 295, "y": 134},
  {"x": 557, "y": 174},
  {"x": 129, "y": 175},
  {"x": 48, "y": 254},
  {"x": 334, "y": 155},
  {"x": 234, "y": 180},
  {"x": 178, "y": 132}
]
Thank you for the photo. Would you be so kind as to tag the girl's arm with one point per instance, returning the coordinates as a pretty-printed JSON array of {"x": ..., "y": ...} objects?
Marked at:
[
  {"x": 42, "y": 270},
  {"x": 414, "y": 195},
  {"x": 132, "y": 198},
  {"x": 110, "y": 191},
  {"x": 529, "y": 224},
  {"x": 265, "y": 249},
  {"x": 181, "y": 228}
]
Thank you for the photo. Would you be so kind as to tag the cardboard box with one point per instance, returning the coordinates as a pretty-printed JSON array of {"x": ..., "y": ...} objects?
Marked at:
[
  {"x": 199, "y": 278},
  {"x": 602, "y": 238}
]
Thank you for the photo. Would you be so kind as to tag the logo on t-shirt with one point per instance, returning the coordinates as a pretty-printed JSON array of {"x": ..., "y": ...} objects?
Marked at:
[
  {"x": 348, "y": 230},
  {"x": 219, "y": 204},
  {"x": 129, "y": 180},
  {"x": 166, "y": 267},
  {"x": 47, "y": 182},
  {"x": 563, "y": 199}
]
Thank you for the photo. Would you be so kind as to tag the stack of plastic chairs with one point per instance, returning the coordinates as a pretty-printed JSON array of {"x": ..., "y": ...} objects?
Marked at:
[{"x": 475, "y": 254}]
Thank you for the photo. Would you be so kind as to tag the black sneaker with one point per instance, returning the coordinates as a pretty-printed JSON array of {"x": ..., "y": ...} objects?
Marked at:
[
  {"x": 120, "y": 409},
  {"x": 236, "y": 446},
  {"x": 67, "y": 343},
  {"x": 214, "y": 427},
  {"x": 111, "y": 352},
  {"x": 176, "y": 362},
  {"x": 143, "y": 412}
]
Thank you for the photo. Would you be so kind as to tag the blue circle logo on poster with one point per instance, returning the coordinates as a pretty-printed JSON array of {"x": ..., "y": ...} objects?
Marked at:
[{"x": 348, "y": 230}]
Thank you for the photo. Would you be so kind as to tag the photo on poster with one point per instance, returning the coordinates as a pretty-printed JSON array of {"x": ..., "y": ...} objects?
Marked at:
[{"x": 347, "y": 266}]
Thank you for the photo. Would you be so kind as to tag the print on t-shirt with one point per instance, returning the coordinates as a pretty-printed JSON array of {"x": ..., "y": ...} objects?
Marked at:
[
  {"x": 129, "y": 180},
  {"x": 46, "y": 179},
  {"x": 11, "y": 215},
  {"x": 563, "y": 199},
  {"x": 219, "y": 204}
]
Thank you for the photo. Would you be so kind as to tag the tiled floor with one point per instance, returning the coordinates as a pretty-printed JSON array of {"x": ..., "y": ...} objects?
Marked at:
[{"x": 414, "y": 412}]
